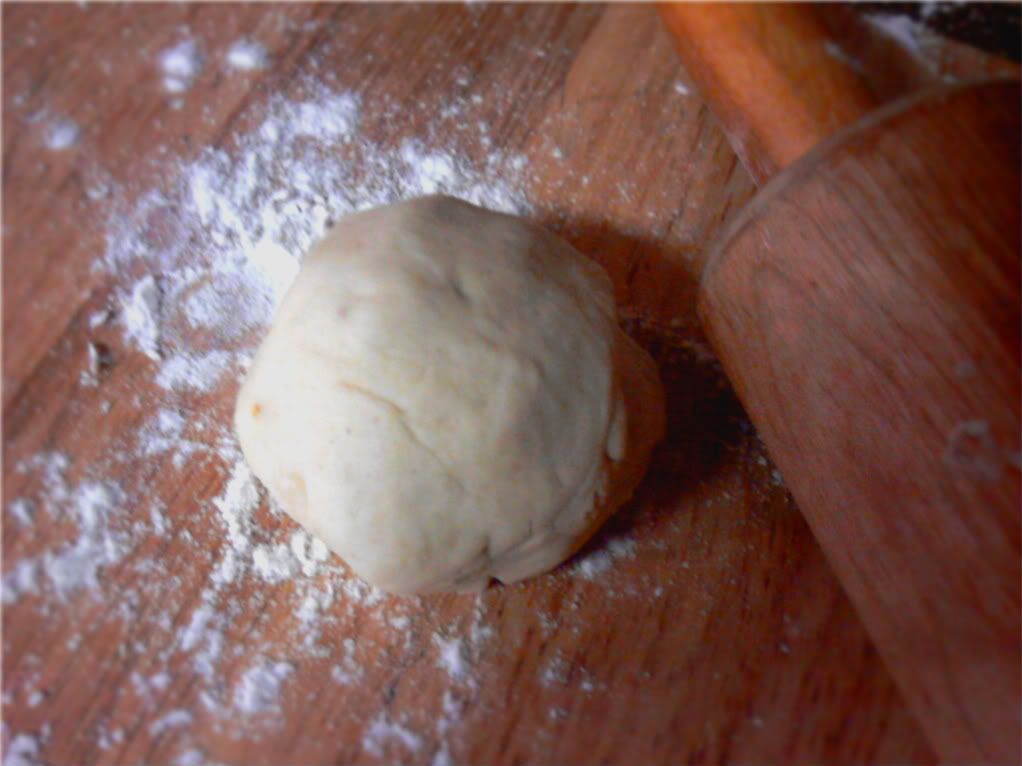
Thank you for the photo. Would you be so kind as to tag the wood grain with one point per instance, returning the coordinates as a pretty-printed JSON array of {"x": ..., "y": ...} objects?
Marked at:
[
  {"x": 866, "y": 306},
  {"x": 769, "y": 77},
  {"x": 726, "y": 638}
]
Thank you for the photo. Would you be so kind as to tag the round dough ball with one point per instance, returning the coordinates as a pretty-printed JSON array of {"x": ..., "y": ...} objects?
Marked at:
[{"x": 445, "y": 397}]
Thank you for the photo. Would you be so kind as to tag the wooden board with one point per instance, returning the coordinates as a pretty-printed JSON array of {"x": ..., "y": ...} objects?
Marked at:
[{"x": 702, "y": 625}]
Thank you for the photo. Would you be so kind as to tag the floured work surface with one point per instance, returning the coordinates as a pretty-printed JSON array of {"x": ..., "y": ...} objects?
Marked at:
[{"x": 164, "y": 166}]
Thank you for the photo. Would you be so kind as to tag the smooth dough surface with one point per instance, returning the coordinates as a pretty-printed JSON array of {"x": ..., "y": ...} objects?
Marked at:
[{"x": 445, "y": 397}]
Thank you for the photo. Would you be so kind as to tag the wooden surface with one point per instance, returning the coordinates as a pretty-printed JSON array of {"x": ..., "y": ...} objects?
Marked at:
[
  {"x": 843, "y": 303},
  {"x": 866, "y": 309},
  {"x": 724, "y": 637},
  {"x": 766, "y": 72}
]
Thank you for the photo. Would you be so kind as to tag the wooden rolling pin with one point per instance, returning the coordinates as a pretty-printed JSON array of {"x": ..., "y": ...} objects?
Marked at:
[{"x": 866, "y": 308}]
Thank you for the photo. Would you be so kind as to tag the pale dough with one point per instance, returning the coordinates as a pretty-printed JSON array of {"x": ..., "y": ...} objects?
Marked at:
[{"x": 445, "y": 397}]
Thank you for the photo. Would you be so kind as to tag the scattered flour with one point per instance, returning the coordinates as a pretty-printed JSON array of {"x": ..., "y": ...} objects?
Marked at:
[
  {"x": 191, "y": 757},
  {"x": 22, "y": 510},
  {"x": 93, "y": 508},
  {"x": 258, "y": 689},
  {"x": 196, "y": 630},
  {"x": 22, "y": 750},
  {"x": 171, "y": 720},
  {"x": 180, "y": 65},
  {"x": 452, "y": 657},
  {"x": 140, "y": 313},
  {"x": 596, "y": 563},
  {"x": 166, "y": 433},
  {"x": 442, "y": 757},
  {"x": 62, "y": 134},
  {"x": 555, "y": 673},
  {"x": 247, "y": 55},
  {"x": 451, "y": 709},
  {"x": 383, "y": 731},
  {"x": 199, "y": 372}
]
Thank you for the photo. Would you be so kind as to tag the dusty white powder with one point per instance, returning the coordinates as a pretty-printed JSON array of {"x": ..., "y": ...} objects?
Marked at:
[
  {"x": 309, "y": 552},
  {"x": 383, "y": 731},
  {"x": 442, "y": 757},
  {"x": 555, "y": 672},
  {"x": 341, "y": 675},
  {"x": 247, "y": 55},
  {"x": 197, "y": 629},
  {"x": 61, "y": 134},
  {"x": 140, "y": 313},
  {"x": 147, "y": 687},
  {"x": 273, "y": 563},
  {"x": 310, "y": 611},
  {"x": 21, "y": 510},
  {"x": 452, "y": 657},
  {"x": 22, "y": 750},
  {"x": 451, "y": 709},
  {"x": 166, "y": 433},
  {"x": 258, "y": 689},
  {"x": 596, "y": 563},
  {"x": 191, "y": 757},
  {"x": 180, "y": 65},
  {"x": 199, "y": 372},
  {"x": 171, "y": 720},
  {"x": 204, "y": 637},
  {"x": 92, "y": 508}
]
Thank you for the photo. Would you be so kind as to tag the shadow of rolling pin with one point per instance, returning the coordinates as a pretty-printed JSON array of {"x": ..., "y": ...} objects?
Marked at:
[{"x": 866, "y": 308}]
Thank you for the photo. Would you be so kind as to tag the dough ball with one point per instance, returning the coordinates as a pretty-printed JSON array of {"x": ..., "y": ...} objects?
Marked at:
[{"x": 445, "y": 397}]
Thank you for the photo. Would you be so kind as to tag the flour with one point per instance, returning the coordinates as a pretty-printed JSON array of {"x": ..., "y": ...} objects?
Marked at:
[
  {"x": 273, "y": 563},
  {"x": 451, "y": 709},
  {"x": 180, "y": 65},
  {"x": 22, "y": 511},
  {"x": 61, "y": 134},
  {"x": 140, "y": 313},
  {"x": 246, "y": 55},
  {"x": 191, "y": 757},
  {"x": 171, "y": 720},
  {"x": 599, "y": 561},
  {"x": 147, "y": 686},
  {"x": 22, "y": 750},
  {"x": 555, "y": 673},
  {"x": 442, "y": 757},
  {"x": 197, "y": 628},
  {"x": 166, "y": 433},
  {"x": 452, "y": 657},
  {"x": 199, "y": 372},
  {"x": 382, "y": 731},
  {"x": 92, "y": 507},
  {"x": 257, "y": 690}
]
